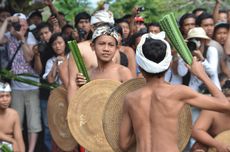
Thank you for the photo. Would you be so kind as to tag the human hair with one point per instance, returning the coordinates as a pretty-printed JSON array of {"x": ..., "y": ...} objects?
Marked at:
[
  {"x": 202, "y": 17},
  {"x": 118, "y": 29},
  {"x": 81, "y": 15},
  {"x": 153, "y": 24},
  {"x": 184, "y": 17},
  {"x": 66, "y": 27},
  {"x": 54, "y": 38},
  {"x": 35, "y": 13},
  {"x": 154, "y": 50},
  {"x": 43, "y": 25},
  {"x": 199, "y": 9},
  {"x": 122, "y": 20},
  {"x": 3, "y": 9}
]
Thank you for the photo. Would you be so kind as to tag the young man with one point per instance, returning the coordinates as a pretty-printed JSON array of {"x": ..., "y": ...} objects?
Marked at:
[
  {"x": 151, "y": 113},
  {"x": 88, "y": 55},
  {"x": 42, "y": 53},
  {"x": 104, "y": 43},
  {"x": 82, "y": 23},
  {"x": 210, "y": 124},
  {"x": 10, "y": 130}
]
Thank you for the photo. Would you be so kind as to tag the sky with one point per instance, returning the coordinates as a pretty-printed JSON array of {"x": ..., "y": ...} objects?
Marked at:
[{"x": 94, "y": 3}]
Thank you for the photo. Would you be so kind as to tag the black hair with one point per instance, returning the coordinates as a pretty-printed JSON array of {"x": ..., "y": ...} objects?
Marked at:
[
  {"x": 199, "y": 9},
  {"x": 184, "y": 17},
  {"x": 35, "y": 13},
  {"x": 118, "y": 29},
  {"x": 81, "y": 15},
  {"x": 127, "y": 16},
  {"x": 154, "y": 50},
  {"x": 43, "y": 25},
  {"x": 133, "y": 38},
  {"x": 121, "y": 20},
  {"x": 202, "y": 17},
  {"x": 153, "y": 24},
  {"x": 223, "y": 11},
  {"x": 3, "y": 9},
  {"x": 67, "y": 26},
  {"x": 54, "y": 37}
]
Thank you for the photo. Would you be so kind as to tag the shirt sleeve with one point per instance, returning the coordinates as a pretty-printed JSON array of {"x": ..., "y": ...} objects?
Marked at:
[{"x": 49, "y": 65}]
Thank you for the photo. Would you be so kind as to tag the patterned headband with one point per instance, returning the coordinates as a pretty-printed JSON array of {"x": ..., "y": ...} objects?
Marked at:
[{"x": 105, "y": 30}]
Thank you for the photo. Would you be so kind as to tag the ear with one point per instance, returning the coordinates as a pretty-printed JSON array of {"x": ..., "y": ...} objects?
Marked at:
[{"x": 92, "y": 46}]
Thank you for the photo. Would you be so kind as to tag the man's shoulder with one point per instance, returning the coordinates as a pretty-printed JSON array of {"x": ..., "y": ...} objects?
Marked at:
[{"x": 12, "y": 111}]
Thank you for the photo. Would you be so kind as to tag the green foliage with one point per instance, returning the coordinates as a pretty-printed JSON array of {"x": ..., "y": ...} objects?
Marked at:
[
  {"x": 71, "y": 7},
  {"x": 156, "y": 9}
]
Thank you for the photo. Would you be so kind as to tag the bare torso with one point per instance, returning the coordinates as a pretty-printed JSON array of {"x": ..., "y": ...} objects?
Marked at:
[
  {"x": 88, "y": 54},
  {"x": 7, "y": 122},
  {"x": 112, "y": 72},
  {"x": 219, "y": 123},
  {"x": 155, "y": 114}
]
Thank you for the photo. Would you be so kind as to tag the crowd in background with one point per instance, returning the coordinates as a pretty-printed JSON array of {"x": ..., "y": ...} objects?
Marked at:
[{"x": 30, "y": 45}]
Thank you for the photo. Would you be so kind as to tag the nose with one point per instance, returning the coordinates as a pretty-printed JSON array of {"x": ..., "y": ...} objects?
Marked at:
[{"x": 106, "y": 48}]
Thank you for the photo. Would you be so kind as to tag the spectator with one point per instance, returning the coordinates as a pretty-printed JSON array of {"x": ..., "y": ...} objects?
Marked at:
[
  {"x": 198, "y": 11},
  {"x": 154, "y": 28},
  {"x": 42, "y": 54},
  {"x": 187, "y": 22},
  {"x": 82, "y": 23},
  {"x": 206, "y": 21},
  {"x": 124, "y": 24},
  {"x": 25, "y": 98},
  {"x": 57, "y": 67}
]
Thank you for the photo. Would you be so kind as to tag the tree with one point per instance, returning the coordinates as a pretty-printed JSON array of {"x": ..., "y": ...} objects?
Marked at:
[
  {"x": 71, "y": 7},
  {"x": 155, "y": 10}
]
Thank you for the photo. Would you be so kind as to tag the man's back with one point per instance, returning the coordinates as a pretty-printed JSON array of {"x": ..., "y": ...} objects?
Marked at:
[{"x": 155, "y": 111}]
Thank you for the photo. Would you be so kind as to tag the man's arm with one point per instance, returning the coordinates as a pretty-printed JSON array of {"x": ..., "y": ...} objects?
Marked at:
[
  {"x": 72, "y": 87},
  {"x": 200, "y": 131},
  {"x": 218, "y": 102},
  {"x": 18, "y": 134},
  {"x": 216, "y": 11},
  {"x": 126, "y": 135},
  {"x": 227, "y": 44}
]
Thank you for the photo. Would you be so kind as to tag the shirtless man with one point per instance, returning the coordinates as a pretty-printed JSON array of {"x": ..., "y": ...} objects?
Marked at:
[
  {"x": 208, "y": 125},
  {"x": 151, "y": 112},
  {"x": 104, "y": 44},
  {"x": 90, "y": 59},
  {"x": 10, "y": 130}
]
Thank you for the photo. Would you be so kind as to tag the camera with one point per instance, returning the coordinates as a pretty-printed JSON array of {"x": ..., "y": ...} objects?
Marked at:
[
  {"x": 16, "y": 26},
  {"x": 81, "y": 33},
  {"x": 140, "y": 9},
  {"x": 193, "y": 44},
  {"x": 42, "y": 46}
]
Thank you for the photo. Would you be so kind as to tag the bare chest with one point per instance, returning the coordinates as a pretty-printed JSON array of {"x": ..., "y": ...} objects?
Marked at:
[
  {"x": 90, "y": 59},
  {"x": 106, "y": 74},
  {"x": 220, "y": 124},
  {"x": 6, "y": 125}
]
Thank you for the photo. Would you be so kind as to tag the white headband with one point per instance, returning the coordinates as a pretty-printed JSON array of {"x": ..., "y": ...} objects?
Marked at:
[
  {"x": 20, "y": 16},
  {"x": 4, "y": 87},
  {"x": 102, "y": 16},
  {"x": 148, "y": 65},
  {"x": 105, "y": 30}
]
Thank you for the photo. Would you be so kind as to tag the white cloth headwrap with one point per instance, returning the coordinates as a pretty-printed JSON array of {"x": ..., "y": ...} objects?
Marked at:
[
  {"x": 105, "y": 30},
  {"x": 20, "y": 16},
  {"x": 148, "y": 65},
  {"x": 5, "y": 87},
  {"x": 102, "y": 16}
]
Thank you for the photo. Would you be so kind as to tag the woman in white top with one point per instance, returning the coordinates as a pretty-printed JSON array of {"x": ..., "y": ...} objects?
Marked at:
[{"x": 57, "y": 67}]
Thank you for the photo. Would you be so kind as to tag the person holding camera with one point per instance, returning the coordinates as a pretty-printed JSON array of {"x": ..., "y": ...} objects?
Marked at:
[
  {"x": 82, "y": 24},
  {"x": 19, "y": 43},
  {"x": 197, "y": 41}
]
